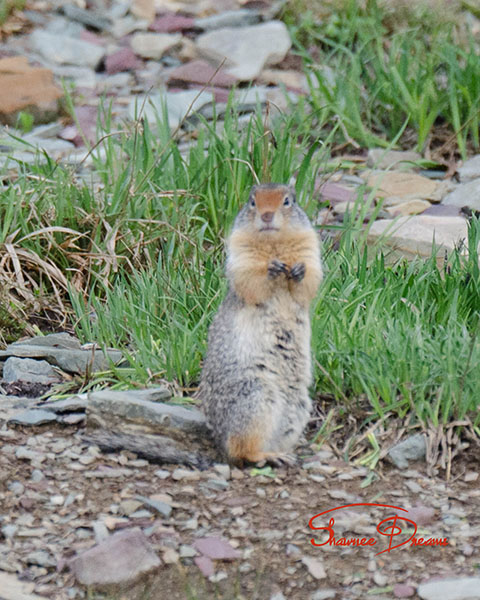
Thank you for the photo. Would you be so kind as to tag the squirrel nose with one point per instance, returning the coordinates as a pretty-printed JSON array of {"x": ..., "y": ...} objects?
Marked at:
[{"x": 267, "y": 217}]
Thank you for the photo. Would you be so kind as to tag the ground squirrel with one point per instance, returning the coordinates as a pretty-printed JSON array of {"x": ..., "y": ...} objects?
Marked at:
[{"x": 255, "y": 378}]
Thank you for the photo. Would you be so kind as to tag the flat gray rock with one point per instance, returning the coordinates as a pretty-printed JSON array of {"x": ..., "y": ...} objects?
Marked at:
[
  {"x": 107, "y": 408},
  {"x": 230, "y": 18},
  {"x": 413, "y": 448},
  {"x": 465, "y": 194},
  {"x": 120, "y": 559},
  {"x": 247, "y": 49},
  {"x": 64, "y": 351},
  {"x": 55, "y": 340},
  {"x": 33, "y": 417},
  {"x": 65, "y": 50},
  {"x": 27, "y": 369},
  {"x": 73, "y": 404},
  {"x": 470, "y": 169},
  {"x": 464, "y": 588}
]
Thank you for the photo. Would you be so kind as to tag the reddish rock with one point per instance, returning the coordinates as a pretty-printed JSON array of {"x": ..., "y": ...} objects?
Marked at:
[
  {"x": 220, "y": 94},
  {"x": 121, "y": 60},
  {"x": 337, "y": 193},
  {"x": 93, "y": 38},
  {"x": 422, "y": 515},
  {"x": 87, "y": 119},
  {"x": 26, "y": 88},
  {"x": 216, "y": 548},
  {"x": 122, "y": 558},
  {"x": 201, "y": 72},
  {"x": 402, "y": 590},
  {"x": 205, "y": 565},
  {"x": 171, "y": 23}
]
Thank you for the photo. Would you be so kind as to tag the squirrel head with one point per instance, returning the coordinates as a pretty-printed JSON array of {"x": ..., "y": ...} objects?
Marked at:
[{"x": 272, "y": 207}]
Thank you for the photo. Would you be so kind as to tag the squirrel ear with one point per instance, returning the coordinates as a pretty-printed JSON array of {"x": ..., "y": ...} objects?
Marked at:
[{"x": 253, "y": 192}]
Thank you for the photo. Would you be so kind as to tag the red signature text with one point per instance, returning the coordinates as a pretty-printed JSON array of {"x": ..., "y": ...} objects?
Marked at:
[{"x": 389, "y": 528}]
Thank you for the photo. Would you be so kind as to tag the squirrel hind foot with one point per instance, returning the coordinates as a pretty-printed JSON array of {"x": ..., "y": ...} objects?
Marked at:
[{"x": 248, "y": 448}]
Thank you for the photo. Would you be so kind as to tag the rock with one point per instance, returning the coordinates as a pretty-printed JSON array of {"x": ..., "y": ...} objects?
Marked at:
[
  {"x": 73, "y": 404},
  {"x": 185, "y": 474},
  {"x": 470, "y": 169},
  {"x": 402, "y": 590},
  {"x": 200, "y": 72},
  {"x": 40, "y": 558},
  {"x": 335, "y": 192},
  {"x": 154, "y": 45},
  {"x": 61, "y": 350},
  {"x": 27, "y": 369},
  {"x": 411, "y": 207},
  {"x": 413, "y": 448},
  {"x": 205, "y": 565},
  {"x": 216, "y": 548},
  {"x": 441, "y": 210},
  {"x": 402, "y": 184},
  {"x": 13, "y": 589},
  {"x": 120, "y": 559},
  {"x": 186, "y": 551},
  {"x": 121, "y": 60},
  {"x": 465, "y": 588},
  {"x": 25, "y": 88},
  {"x": 125, "y": 26},
  {"x": 143, "y": 9},
  {"x": 62, "y": 49},
  {"x": 315, "y": 567},
  {"x": 422, "y": 515},
  {"x": 411, "y": 236},
  {"x": 379, "y": 158},
  {"x": 323, "y": 594},
  {"x": 172, "y": 23},
  {"x": 465, "y": 195},
  {"x": 178, "y": 105},
  {"x": 277, "y": 596},
  {"x": 33, "y": 417},
  {"x": 160, "y": 507},
  {"x": 289, "y": 78},
  {"x": 87, "y": 17},
  {"x": 248, "y": 49},
  {"x": 229, "y": 18}
]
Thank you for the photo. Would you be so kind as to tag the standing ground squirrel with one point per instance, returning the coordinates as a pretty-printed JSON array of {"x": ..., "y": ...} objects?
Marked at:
[{"x": 255, "y": 378}]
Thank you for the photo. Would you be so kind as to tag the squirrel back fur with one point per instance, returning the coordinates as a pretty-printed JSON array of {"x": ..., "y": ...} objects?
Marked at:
[{"x": 256, "y": 374}]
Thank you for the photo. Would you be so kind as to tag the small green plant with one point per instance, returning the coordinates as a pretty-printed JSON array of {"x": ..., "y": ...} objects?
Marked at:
[{"x": 25, "y": 121}]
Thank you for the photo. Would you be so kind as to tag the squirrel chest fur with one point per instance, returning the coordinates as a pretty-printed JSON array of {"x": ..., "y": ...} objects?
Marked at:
[{"x": 255, "y": 378}]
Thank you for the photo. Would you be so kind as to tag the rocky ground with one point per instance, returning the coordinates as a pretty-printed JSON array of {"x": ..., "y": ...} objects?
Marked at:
[
  {"x": 220, "y": 532},
  {"x": 74, "y": 519}
]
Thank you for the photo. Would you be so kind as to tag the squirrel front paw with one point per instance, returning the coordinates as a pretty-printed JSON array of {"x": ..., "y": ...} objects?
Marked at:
[
  {"x": 276, "y": 268},
  {"x": 297, "y": 272}
]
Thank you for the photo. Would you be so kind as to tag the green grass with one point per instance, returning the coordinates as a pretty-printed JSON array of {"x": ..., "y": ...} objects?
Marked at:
[
  {"x": 136, "y": 258},
  {"x": 372, "y": 80}
]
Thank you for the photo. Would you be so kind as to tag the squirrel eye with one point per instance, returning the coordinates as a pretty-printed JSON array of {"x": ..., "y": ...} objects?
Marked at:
[
  {"x": 252, "y": 202},
  {"x": 286, "y": 201}
]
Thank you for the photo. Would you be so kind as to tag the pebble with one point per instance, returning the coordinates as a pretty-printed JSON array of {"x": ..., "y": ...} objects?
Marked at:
[
  {"x": 185, "y": 475},
  {"x": 323, "y": 594},
  {"x": 154, "y": 45},
  {"x": 463, "y": 588}
]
